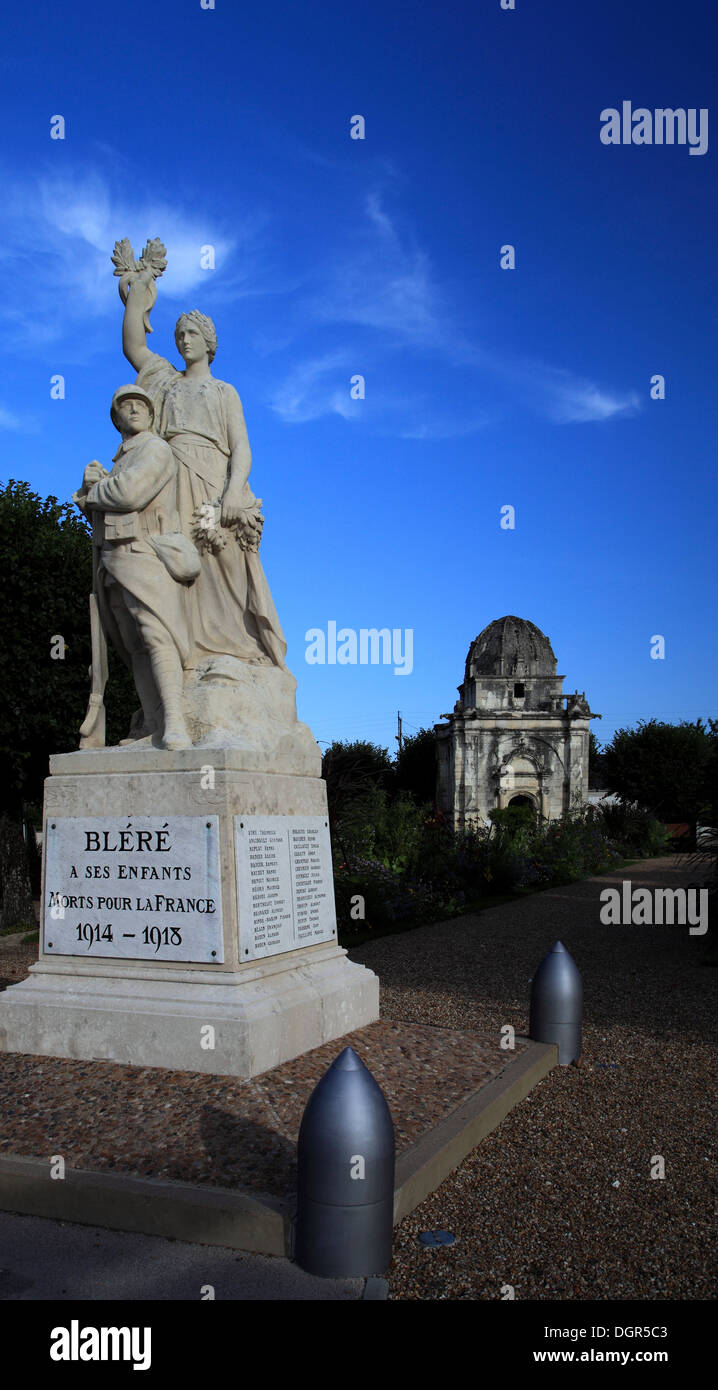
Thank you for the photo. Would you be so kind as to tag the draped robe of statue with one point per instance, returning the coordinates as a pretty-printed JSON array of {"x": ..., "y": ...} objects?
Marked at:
[{"x": 230, "y": 609}]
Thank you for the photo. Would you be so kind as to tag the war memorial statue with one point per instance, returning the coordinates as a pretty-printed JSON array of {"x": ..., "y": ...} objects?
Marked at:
[
  {"x": 145, "y": 562},
  {"x": 187, "y": 901}
]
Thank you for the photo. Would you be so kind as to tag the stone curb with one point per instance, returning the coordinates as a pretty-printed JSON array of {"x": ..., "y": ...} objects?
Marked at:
[
  {"x": 423, "y": 1167},
  {"x": 243, "y": 1220},
  {"x": 151, "y": 1206}
]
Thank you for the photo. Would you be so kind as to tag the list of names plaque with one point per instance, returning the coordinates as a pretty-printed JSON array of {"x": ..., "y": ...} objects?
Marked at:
[
  {"x": 133, "y": 888},
  {"x": 285, "y": 884}
]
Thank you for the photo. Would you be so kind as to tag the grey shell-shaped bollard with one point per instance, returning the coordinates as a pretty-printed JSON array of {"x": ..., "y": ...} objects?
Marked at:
[
  {"x": 345, "y": 1178},
  {"x": 557, "y": 1004}
]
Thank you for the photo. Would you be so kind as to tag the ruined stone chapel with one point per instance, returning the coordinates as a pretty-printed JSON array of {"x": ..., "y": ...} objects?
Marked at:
[{"x": 513, "y": 737}]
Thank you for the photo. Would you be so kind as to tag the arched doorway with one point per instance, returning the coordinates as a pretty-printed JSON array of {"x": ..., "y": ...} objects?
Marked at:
[{"x": 520, "y": 782}]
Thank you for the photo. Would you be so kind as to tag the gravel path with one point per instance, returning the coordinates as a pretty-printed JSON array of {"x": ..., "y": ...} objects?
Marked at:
[{"x": 559, "y": 1201}]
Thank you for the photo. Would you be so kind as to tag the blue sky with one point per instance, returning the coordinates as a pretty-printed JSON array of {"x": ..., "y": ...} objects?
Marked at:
[{"x": 334, "y": 257}]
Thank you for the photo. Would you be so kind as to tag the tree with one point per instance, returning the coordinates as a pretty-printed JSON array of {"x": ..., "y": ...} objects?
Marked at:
[
  {"x": 416, "y": 766},
  {"x": 46, "y": 564},
  {"x": 670, "y": 769},
  {"x": 355, "y": 773},
  {"x": 352, "y": 769},
  {"x": 596, "y": 772}
]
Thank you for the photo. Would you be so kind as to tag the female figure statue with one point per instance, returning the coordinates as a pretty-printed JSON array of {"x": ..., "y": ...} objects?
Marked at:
[{"x": 230, "y": 609}]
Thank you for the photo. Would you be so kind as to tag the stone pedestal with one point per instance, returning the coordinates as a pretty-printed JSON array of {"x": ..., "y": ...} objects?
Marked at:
[{"x": 181, "y": 939}]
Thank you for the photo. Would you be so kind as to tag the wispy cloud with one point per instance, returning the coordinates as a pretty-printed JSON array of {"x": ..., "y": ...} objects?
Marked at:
[
  {"x": 433, "y": 429},
  {"x": 57, "y": 232},
  {"x": 8, "y": 420},
  {"x": 559, "y": 395},
  {"x": 57, "y": 235},
  {"x": 386, "y": 285},
  {"x": 381, "y": 220},
  {"x": 319, "y": 386},
  {"x": 584, "y": 402},
  {"x": 569, "y": 399},
  {"x": 25, "y": 423},
  {"x": 385, "y": 282}
]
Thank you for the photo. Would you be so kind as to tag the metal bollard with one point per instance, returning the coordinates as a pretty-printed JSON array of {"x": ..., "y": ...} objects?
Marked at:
[
  {"x": 557, "y": 1004},
  {"x": 345, "y": 1179}
]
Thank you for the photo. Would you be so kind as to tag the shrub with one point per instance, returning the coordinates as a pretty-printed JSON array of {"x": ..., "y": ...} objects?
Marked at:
[
  {"x": 634, "y": 830},
  {"x": 513, "y": 818},
  {"x": 410, "y": 866},
  {"x": 387, "y": 899}
]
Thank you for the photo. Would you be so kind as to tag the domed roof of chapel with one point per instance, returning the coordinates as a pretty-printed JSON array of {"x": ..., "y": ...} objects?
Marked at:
[{"x": 511, "y": 646}]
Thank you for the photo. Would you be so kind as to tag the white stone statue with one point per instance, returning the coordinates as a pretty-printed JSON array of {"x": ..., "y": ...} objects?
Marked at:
[
  {"x": 229, "y": 607},
  {"x": 143, "y": 566},
  {"x": 178, "y": 586},
  {"x": 218, "y": 795}
]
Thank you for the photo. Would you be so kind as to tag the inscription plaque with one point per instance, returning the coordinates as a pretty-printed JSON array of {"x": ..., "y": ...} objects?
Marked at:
[
  {"x": 137, "y": 887},
  {"x": 285, "y": 884}
]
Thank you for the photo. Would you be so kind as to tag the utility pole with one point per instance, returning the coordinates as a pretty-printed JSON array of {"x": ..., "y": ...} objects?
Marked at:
[{"x": 399, "y": 735}]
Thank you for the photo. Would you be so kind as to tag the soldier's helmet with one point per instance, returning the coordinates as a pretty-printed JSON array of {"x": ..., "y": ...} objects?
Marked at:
[{"x": 121, "y": 393}]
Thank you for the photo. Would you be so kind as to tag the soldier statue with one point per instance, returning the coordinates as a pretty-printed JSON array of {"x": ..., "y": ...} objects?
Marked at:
[{"x": 143, "y": 567}]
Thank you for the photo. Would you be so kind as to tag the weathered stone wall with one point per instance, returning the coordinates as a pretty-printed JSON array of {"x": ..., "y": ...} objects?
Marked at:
[{"x": 510, "y": 733}]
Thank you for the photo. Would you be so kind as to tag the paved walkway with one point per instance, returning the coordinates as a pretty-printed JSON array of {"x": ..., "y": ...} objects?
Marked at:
[
  {"x": 564, "y": 1200},
  {"x": 61, "y": 1261}
]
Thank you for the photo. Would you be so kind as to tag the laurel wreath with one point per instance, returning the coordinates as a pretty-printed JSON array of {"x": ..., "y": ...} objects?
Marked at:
[
  {"x": 210, "y": 535},
  {"x": 154, "y": 258}
]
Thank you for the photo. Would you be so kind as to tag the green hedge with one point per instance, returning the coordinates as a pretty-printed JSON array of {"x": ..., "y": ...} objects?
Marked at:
[{"x": 398, "y": 864}]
